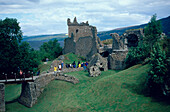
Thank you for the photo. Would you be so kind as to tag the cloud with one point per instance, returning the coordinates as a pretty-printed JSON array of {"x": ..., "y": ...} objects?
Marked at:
[{"x": 49, "y": 16}]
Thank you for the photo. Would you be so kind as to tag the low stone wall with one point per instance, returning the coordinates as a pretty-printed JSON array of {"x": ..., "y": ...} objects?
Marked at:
[
  {"x": 64, "y": 77},
  {"x": 32, "y": 90},
  {"x": 2, "y": 97}
]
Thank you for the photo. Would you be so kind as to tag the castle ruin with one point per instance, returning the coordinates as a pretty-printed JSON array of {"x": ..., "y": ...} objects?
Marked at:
[
  {"x": 82, "y": 39},
  {"x": 120, "y": 46}
]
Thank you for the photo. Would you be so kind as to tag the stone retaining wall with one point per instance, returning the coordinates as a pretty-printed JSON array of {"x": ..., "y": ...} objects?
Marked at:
[
  {"x": 32, "y": 90},
  {"x": 2, "y": 97}
]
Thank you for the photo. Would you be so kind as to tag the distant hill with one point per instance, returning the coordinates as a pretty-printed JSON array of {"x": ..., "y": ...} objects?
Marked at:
[
  {"x": 59, "y": 37},
  {"x": 37, "y": 41},
  {"x": 106, "y": 34}
]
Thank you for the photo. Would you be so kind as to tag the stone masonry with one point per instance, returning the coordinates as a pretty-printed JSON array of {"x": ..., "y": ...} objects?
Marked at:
[
  {"x": 2, "y": 97},
  {"x": 116, "y": 60},
  {"x": 99, "y": 61},
  {"x": 82, "y": 39},
  {"x": 32, "y": 90},
  {"x": 120, "y": 46},
  {"x": 67, "y": 78}
]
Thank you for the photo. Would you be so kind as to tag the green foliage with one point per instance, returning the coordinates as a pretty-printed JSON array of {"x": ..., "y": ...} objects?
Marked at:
[
  {"x": 158, "y": 73},
  {"x": 152, "y": 32},
  {"x": 15, "y": 54},
  {"x": 10, "y": 37},
  {"x": 50, "y": 50},
  {"x": 136, "y": 55},
  {"x": 29, "y": 58}
]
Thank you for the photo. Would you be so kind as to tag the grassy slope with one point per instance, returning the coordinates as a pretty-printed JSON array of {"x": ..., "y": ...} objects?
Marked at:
[
  {"x": 44, "y": 67},
  {"x": 70, "y": 57},
  {"x": 112, "y": 91}
]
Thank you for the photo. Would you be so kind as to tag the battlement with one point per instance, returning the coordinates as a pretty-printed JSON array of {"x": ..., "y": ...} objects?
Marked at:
[{"x": 75, "y": 23}]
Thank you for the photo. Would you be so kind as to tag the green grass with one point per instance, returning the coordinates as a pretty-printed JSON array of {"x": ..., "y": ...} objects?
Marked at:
[
  {"x": 44, "y": 67},
  {"x": 70, "y": 57},
  {"x": 113, "y": 91}
]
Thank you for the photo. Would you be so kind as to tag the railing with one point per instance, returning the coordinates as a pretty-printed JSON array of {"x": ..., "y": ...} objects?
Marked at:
[{"x": 21, "y": 77}]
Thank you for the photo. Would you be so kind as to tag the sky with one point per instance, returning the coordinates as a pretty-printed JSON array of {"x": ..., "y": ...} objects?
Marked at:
[{"x": 40, "y": 17}]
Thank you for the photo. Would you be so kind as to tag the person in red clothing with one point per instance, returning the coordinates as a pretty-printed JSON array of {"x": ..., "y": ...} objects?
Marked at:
[{"x": 20, "y": 73}]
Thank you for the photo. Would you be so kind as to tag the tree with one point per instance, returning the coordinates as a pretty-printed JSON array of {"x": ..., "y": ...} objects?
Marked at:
[
  {"x": 50, "y": 49},
  {"x": 29, "y": 58},
  {"x": 10, "y": 37},
  {"x": 152, "y": 32},
  {"x": 15, "y": 54},
  {"x": 158, "y": 74}
]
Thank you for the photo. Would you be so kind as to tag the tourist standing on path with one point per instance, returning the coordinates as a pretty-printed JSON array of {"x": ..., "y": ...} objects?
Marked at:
[
  {"x": 78, "y": 64},
  {"x": 38, "y": 73},
  {"x": 59, "y": 67},
  {"x": 86, "y": 63},
  {"x": 20, "y": 73},
  {"x": 62, "y": 65},
  {"x": 74, "y": 64},
  {"x": 84, "y": 66},
  {"x": 55, "y": 69}
]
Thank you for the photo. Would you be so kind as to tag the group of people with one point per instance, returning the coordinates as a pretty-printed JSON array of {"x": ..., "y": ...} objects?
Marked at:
[
  {"x": 60, "y": 67},
  {"x": 73, "y": 65}
]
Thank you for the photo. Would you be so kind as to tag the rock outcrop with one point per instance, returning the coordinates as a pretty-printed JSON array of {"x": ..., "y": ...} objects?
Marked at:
[{"x": 2, "y": 97}]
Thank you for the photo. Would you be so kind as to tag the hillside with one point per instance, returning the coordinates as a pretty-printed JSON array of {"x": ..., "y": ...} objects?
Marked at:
[
  {"x": 59, "y": 37},
  {"x": 112, "y": 91},
  {"x": 36, "y": 41},
  {"x": 165, "y": 22}
]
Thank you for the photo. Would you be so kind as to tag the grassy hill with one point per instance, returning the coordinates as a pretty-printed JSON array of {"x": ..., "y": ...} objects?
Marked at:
[{"x": 112, "y": 91}]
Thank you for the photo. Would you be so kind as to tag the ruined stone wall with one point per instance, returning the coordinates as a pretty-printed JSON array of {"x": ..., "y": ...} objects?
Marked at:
[
  {"x": 32, "y": 90},
  {"x": 84, "y": 46},
  {"x": 82, "y": 39},
  {"x": 67, "y": 78},
  {"x": 2, "y": 97},
  {"x": 79, "y": 31},
  {"x": 69, "y": 46},
  {"x": 116, "y": 60}
]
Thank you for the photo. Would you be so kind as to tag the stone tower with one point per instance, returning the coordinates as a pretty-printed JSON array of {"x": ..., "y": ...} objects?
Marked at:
[
  {"x": 82, "y": 39},
  {"x": 80, "y": 30}
]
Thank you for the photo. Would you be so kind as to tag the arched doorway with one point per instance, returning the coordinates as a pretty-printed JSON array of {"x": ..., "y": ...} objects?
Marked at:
[{"x": 132, "y": 40}]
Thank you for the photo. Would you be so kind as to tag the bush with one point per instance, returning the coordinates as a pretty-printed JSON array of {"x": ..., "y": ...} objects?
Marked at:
[{"x": 136, "y": 55}]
